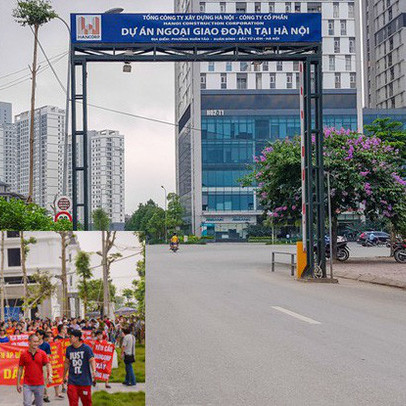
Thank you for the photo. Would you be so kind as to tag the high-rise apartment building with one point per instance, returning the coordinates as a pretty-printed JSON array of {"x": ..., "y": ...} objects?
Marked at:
[
  {"x": 384, "y": 33},
  {"x": 8, "y": 155},
  {"x": 5, "y": 113},
  {"x": 49, "y": 124},
  {"x": 106, "y": 175},
  {"x": 227, "y": 111}
]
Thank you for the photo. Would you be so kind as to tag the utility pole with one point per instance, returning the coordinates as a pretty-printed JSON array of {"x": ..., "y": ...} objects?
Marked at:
[
  {"x": 106, "y": 304},
  {"x": 2, "y": 315},
  {"x": 65, "y": 298},
  {"x": 24, "y": 269}
]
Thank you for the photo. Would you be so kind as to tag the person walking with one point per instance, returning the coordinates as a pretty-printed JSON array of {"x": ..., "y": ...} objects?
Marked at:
[
  {"x": 46, "y": 347},
  {"x": 3, "y": 338},
  {"x": 81, "y": 365},
  {"x": 128, "y": 355},
  {"x": 32, "y": 362}
]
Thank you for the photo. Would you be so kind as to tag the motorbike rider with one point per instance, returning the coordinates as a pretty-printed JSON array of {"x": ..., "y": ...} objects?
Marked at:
[{"x": 174, "y": 241}]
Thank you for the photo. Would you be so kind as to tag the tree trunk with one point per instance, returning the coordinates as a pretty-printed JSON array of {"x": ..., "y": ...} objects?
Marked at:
[
  {"x": 2, "y": 315},
  {"x": 334, "y": 232},
  {"x": 24, "y": 270},
  {"x": 105, "y": 276},
  {"x": 65, "y": 298},
  {"x": 34, "y": 79}
]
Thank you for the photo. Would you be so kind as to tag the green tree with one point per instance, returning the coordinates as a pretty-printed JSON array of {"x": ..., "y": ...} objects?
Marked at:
[
  {"x": 174, "y": 213},
  {"x": 390, "y": 131},
  {"x": 33, "y": 13},
  {"x": 155, "y": 227},
  {"x": 364, "y": 178},
  {"x": 101, "y": 220},
  {"x": 17, "y": 215},
  {"x": 140, "y": 218},
  {"x": 95, "y": 294},
  {"x": 42, "y": 289},
  {"x": 83, "y": 270},
  {"x": 128, "y": 293}
]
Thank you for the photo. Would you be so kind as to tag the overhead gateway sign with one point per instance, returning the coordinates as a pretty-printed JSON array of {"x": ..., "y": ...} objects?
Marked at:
[{"x": 196, "y": 28}]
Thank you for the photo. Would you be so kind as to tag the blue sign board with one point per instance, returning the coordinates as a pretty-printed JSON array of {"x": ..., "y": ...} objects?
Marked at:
[
  {"x": 195, "y": 28},
  {"x": 12, "y": 313}
]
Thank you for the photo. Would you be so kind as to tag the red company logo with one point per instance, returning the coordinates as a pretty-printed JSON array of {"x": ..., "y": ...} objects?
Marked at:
[{"x": 88, "y": 28}]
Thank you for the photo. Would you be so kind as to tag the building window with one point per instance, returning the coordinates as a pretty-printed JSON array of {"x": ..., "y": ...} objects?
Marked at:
[
  {"x": 343, "y": 25},
  {"x": 14, "y": 257},
  {"x": 336, "y": 10},
  {"x": 241, "y": 7},
  {"x": 297, "y": 7},
  {"x": 211, "y": 66},
  {"x": 229, "y": 66},
  {"x": 202, "y": 7},
  {"x": 288, "y": 7},
  {"x": 279, "y": 66},
  {"x": 351, "y": 10},
  {"x": 265, "y": 66},
  {"x": 243, "y": 66},
  {"x": 353, "y": 80},
  {"x": 258, "y": 81},
  {"x": 296, "y": 66},
  {"x": 257, "y": 7},
  {"x": 289, "y": 80},
  {"x": 224, "y": 80},
  {"x": 297, "y": 80},
  {"x": 336, "y": 45},
  {"x": 13, "y": 234},
  {"x": 337, "y": 80},
  {"x": 352, "y": 45},
  {"x": 347, "y": 62},
  {"x": 241, "y": 81},
  {"x": 222, "y": 7},
  {"x": 272, "y": 7},
  {"x": 332, "y": 62},
  {"x": 203, "y": 81},
  {"x": 272, "y": 80},
  {"x": 330, "y": 27}
]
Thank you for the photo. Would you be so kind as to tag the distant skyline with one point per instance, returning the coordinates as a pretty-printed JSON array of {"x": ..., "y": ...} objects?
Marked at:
[{"x": 147, "y": 91}]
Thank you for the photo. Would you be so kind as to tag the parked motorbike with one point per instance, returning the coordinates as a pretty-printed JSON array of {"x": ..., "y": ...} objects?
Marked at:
[
  {"x": 174, "y": 247},
  {"x": 343, "y": 252},
  {"x": 400, "y": 252}
]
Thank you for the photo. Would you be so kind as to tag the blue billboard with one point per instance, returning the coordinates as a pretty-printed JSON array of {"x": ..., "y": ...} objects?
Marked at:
[{"x": 195, "y": 28}]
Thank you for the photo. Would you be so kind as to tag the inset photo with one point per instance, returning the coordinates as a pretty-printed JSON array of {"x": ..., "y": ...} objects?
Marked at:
[{"x": 72, "y": 318}]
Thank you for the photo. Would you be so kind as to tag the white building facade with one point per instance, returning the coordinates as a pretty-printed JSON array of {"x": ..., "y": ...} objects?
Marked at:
[
  {"x": 44, "y": 255},
  {"x": 48, "y": 149}
]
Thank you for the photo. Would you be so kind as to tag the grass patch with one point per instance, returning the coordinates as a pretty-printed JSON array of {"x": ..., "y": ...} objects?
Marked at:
[
  {"x": 118, "y": 374},
  {"x": 103, "y": 398}
]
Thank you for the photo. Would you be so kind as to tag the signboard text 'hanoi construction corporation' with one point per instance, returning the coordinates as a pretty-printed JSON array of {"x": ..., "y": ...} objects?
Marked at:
[{"x": 196, "y": 28}]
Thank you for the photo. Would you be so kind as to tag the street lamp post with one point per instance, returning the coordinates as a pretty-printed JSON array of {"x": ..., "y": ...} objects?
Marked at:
[{"x": 166, "y": 231}]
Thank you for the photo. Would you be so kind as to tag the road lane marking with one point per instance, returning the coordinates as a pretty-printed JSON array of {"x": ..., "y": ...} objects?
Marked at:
[{"x": 297, "y": 315}]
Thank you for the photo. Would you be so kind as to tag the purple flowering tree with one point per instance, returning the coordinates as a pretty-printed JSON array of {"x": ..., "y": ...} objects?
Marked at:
[{"x": 364, "y": 178}]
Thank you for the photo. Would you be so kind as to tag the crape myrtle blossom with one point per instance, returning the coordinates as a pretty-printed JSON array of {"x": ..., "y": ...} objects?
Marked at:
[{"x": 364, "y": 172}]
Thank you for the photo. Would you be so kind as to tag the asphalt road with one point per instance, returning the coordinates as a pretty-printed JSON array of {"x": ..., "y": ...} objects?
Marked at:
[{"x": 220, "y": 333}]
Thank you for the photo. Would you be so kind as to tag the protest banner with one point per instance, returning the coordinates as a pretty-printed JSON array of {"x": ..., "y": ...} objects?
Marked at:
[
  {"x": 21, "y": 340},
  {"x": 9, "y": 357},
  {"x": 103, "y": 354},
  {"x": 57, "y": 360}
]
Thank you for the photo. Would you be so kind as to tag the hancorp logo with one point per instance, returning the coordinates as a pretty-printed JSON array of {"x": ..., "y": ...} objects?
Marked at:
[{"x": 88, "y": 28}]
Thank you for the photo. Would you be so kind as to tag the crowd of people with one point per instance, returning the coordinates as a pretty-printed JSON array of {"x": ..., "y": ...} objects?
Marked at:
[{"x": 79, "y": 368}]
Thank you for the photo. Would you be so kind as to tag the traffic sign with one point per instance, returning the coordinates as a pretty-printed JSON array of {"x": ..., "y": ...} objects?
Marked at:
[
  {"x": 64, "y": 203},
  {"x": 63, "y": 215}
]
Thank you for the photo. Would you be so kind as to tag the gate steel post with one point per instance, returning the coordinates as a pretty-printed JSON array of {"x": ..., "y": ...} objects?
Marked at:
[
  {"x": 85, "y": 149},
  {"x": 74, "y": 152}
]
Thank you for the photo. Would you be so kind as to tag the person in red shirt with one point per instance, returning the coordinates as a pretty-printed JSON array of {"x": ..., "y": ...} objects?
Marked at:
[{"x": 32, "y": 362}]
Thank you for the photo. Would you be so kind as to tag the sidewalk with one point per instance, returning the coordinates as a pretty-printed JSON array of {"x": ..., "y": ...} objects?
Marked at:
[
  {"x": 10, "y": 397},
  {"x": 380, "y": 270}
]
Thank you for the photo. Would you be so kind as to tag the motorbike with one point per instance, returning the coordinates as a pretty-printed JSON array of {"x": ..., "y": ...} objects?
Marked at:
[
  {"x": 174, "y": 247},
  {"x": 400, "y": 252},
  {"x": 343, "y": 252}
]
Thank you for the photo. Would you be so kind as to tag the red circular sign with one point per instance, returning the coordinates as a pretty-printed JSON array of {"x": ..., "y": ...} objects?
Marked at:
[
  {"x": 63, "y": 215},
  {"x": 64, "y": 203}
]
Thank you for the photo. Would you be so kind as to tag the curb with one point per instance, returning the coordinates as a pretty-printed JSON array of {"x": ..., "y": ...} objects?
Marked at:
[{"x": 372, "y": 279}]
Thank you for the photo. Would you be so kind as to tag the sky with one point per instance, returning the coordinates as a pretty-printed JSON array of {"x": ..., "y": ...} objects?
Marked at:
[
  {"x": 122, "y": 272},
  {"x": 147, "y": 91}
]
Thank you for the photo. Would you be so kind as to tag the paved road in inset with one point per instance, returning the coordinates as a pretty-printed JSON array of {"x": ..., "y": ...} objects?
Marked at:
[{"x": 223, "y": 330}]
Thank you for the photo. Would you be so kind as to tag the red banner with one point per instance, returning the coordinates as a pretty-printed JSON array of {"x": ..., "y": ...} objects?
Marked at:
[
  {"x": 86, "y": 334},
  {"x": 103, "y": 354},
  {"x": 9, "y": 357},
  {"x": 57, "y": 361},
  {"x": 20, "y": 340}
]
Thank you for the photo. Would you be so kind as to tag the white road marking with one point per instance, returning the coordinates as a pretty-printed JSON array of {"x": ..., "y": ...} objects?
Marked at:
[{"x": 298, "y": 316}]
